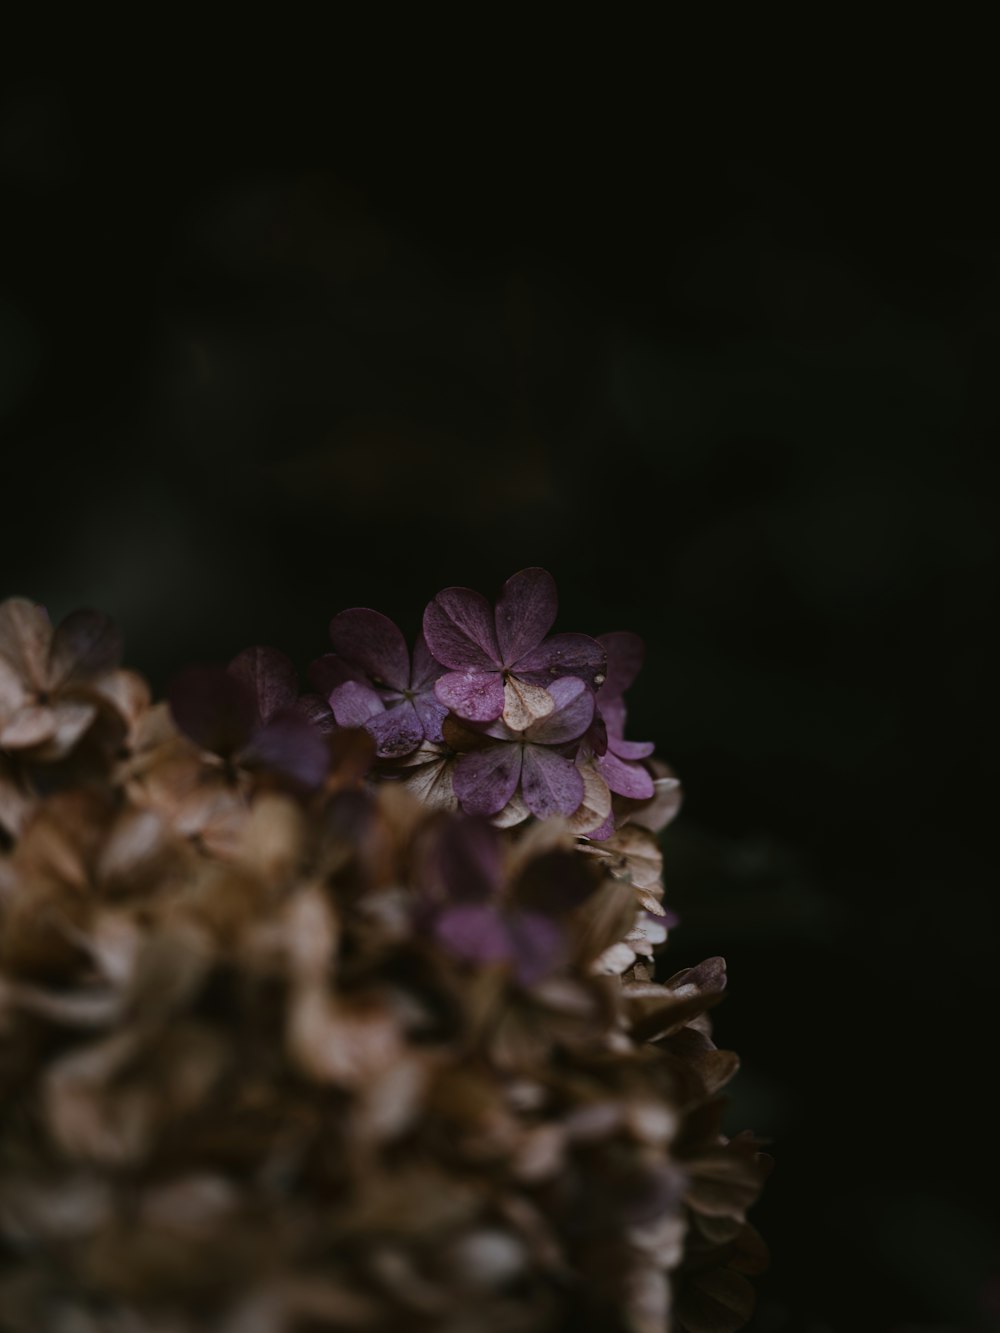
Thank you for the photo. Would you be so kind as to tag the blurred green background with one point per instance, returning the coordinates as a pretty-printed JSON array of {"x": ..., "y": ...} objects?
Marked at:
[{"x": 737, "y": 390}]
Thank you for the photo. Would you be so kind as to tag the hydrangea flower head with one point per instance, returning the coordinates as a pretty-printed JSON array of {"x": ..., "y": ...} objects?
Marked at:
[{"x": 500, "y": 660}]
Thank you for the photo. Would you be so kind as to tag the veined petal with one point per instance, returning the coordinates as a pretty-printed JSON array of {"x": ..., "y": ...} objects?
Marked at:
[
  {"x": 425, "y": 669},
  {"x": 550, "y": 784},
  {"x": 524, "y": 703},
  {"x": 625, "y": 779},
  {"x": 525, "y": 612},
  {"x": 573, "y": 713},
  {"x": 476, "y": 696},
  {"x": 431, "y": 712},
  {"x": 459, "y": 629},
  {"x": 369, "y": 640},
  {"x": 564, "y": 655},
  {"x": 486, "y": 779},
  {"x": 595, "y": 807},
  {"x": 625, "y": 653},
  {"x": 354, "y": 704},
  {"x": 270, "y": 676},
  {"x": 396, "y": 732},
  {"x": 329, "y": 671}
]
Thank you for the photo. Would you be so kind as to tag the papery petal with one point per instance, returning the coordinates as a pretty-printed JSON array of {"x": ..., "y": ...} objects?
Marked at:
[
  {"x": 525, "y": 703},
  {"x": 425, "y": 669},
  {"x": 475, "y": 932},
  {"x": 525, "y": 612},
  {"x": 603, "y": 831},
  {"x": 270, "y": 676},
  {"x": 466, "y": 860},
  {"x": 625, "y": 654},
  {"x": 397, "y": 731},
  {"x": 25, "y": 635},
  {"x": 85, "y": 644},
  {"x": 459, "y": 629},
  {"x": 564, "y": 655},
  {"x": 31, "y": 725},
  {"x": 630, "y": 750},
  {"x": 290, "y": 747},
  {"x": 354, "y": 704},
  {"x": 329, "y": 671},
  {"x": 215, "y": 709},
  {"x": 430, "y": 781},
  {"x": 315, "y": 709},
  {"x": 667, "y": 799},
  {"x": 539, "y": 945},
  {"x": 369, "y": 640},
  {"x": 573, "y": 713},
  {"x": 476, "y": 696},
  {"x": 12, "y": 691},
  {"x": 514, "y": 812},
  {"x": 625, "y": 779},
  {"x": 73, "y": 717},
  {"x": 431, "y": 712},
  {"x": 486, "y": 779},
  {"x": 550, "y": 784},
  {"x": 595, "y": 807}
]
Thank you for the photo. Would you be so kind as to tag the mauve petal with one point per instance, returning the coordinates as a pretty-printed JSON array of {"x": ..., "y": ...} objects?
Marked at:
[
  {"x": 538, "y": 945},
  {"x": 475, "y": 932},
  {"x": 485, "y": 780},
  {"x": 431, "y": 712},
  {"x": 85, "y": 644},
  {"x": 476, "y": 696},
  {"x": 612, "y": 710},
  {"x": 625, "y": 653},
  {"x": 574, "y": 712},
  {"x": 354, "y": 704},
  {"x": 603, "y": 831},
  {"x": 290, "y": 747},
  {"x": 315, "y": 709},
  {"x": 564, "y": 655},
  {"x": 270, "y": 676},
  {"x": 624, "y": 779},
  {"x": 425, "y": 669},
  {"x": 525, "y": 704},
  {"x": 458, "y": 627},
  {"x": 31, "y": 725},
  {"x": 213, "y": 708},
  {"x": 630, "y": 750},
  {"x": 25, "y": 635},
  {"x": 550, "y": 784},
  {"x": 369, "y": 640},
  {"x": 396, "y": 732},
  {"x": 467, "y": 860},
  {"x": 525, "y": 612},
  {"x": 329, "y": 671}
]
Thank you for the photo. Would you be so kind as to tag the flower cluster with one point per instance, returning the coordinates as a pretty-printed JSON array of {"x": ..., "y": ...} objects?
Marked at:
[{"x": 338, "y": 1009}]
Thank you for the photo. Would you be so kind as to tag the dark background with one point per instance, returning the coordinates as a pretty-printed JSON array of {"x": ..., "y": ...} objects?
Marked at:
[{"x": 735, "y": 387}]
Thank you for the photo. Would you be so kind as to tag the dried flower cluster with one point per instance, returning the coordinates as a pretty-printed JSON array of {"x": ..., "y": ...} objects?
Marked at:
[{"x": 337, "y": 1010}]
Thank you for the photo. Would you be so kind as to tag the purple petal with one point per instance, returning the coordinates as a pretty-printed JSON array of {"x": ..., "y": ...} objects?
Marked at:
[
  {"x": 538, "y": 945},
  {"x": 315, "y": 709},
  {"x": 625, "y": 779},
  {"x": 476, "y": 696},
  {"x": 550, "y": 784},
  {"x": 396, "y": 732},
  {"x": 329, "y": 671},
  {"x": 431, "y": 713},
  {"x": 630, "y": 750},
  {"x": 369, "y": 640},
  {"x": 213, "y": 707},
  {"x": 270, "y": 676},
  {"x": 458, "y": 627},
  {"x": 477, "y": 933},
  {"x": 85, "y": 644},
  {"x": 467, "y": 860},
  {"x": 564, "y": 655},
  {"x": 613, "y": 712},
  {"x": 573, "y": 714},
  {"x": 425, "y": 670},
  {"x": 486, "y": 779},
  {"x": 604, "y": 831},
  {"x": 354, "y": 704},
  {"x": 290, "y": 747},
  {"x": 625, "y": 653},
  {"x": 526, "y": 609}
]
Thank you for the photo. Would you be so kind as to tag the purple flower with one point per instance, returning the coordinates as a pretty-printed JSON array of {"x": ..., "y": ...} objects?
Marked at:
[
  {"x": 249, "y": 714},
  {"x": 619, "y": 764},
  {"x": 538, "y": 759},
  {"x": 373, "y": 684},
  {"x": 480, "y": 920},
  {"x": 500, "y": 661}
]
